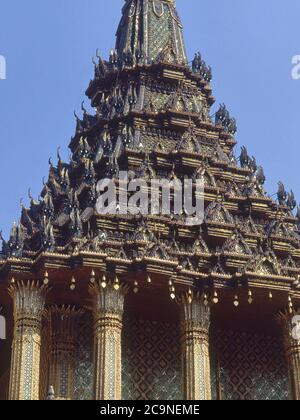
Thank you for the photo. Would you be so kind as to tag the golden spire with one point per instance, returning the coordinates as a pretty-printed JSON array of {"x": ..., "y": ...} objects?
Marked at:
[{"x": 144, "y": 31}]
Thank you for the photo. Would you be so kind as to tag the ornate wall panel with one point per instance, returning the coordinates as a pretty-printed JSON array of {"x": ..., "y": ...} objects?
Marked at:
[
  {"x": 84, "y": 364},
  {"x": 249, "y": 367},
  {"x": 243, "y": 366},
  {"x": 151, "y": 361},
  {"x": 161, "y": 24}
]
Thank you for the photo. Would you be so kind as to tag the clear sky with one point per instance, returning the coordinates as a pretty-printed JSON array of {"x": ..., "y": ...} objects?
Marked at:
[{"x": 48, "y": 46}]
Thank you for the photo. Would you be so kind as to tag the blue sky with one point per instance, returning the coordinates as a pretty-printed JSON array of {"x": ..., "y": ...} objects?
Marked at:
[{"x": 48, "y": 46}]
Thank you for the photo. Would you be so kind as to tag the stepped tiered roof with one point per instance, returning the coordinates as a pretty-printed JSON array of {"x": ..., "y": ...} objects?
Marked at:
[{"x": 153, "y": 118}]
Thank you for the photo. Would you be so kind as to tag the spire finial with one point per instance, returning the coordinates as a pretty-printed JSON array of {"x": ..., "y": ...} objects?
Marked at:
[{"x": 142, "y": 23}]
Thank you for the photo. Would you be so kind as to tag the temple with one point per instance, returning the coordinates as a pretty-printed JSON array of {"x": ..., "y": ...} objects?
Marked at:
[{"x": 147, "y": 306}]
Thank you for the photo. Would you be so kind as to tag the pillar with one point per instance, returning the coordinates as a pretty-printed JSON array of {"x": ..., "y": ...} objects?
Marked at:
[
  {"x": 195, "y": 324},
  {"x": 108, "y": 307},
  {"x": 63, "y": 331},
  {"x": 291, "y": 340},
  {"x": 28, "y": 303},
  {"x": 4, "y": 376}
]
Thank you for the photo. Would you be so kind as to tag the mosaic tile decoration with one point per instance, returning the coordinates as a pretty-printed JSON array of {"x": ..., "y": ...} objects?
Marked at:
[
  {"x": 84, "y": 365},
  {"x": 45, "y": 360},
  {"x": 161, "y": 24},
  {"x": 151, "y": 361},
  {"x": 243, "y": 366},
  {"x": 251, "y": 367}
]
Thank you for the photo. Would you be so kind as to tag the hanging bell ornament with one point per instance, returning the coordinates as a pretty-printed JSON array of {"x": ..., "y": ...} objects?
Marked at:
[
  {"x": 172, "y": 292},
  {"x": 215, "y": 298},
  {"x": 103, "y": 282},
  {"x": 46, "y": 278},
  {"x": 73, "y": 284},
  {"x": 250, "y": 297},
  {"x": 116, "y": 284},
  {"x": 290, "y": 304},
  {"x": 135, "y": 287},
  {"x": 236, "y": 301},
  {"x": 190, "y": 296},
  {"x": 93, "y": 277}
]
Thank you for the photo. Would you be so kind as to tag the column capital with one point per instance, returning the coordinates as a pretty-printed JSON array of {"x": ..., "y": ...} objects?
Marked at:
[
  {"x": 108, "y": 298},
  {"x": 64, "y": 312},
  {"x": 28, "y": 297},
  {"x": 195, "y": 310},
  {"x": 63, "y": 321}
]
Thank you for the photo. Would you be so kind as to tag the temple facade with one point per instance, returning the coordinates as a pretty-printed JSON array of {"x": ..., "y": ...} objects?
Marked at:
[{"x": 147, "y": 306}]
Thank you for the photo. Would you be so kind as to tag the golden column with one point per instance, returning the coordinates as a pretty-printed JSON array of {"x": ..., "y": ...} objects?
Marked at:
[
  {"x": 195, "y": 324},
  {"x": 289, "y": 322},
  {"x": 28, "y": 302},
  {"x": 63, "y": 323},
  {"x": 108, "y": 305}
]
